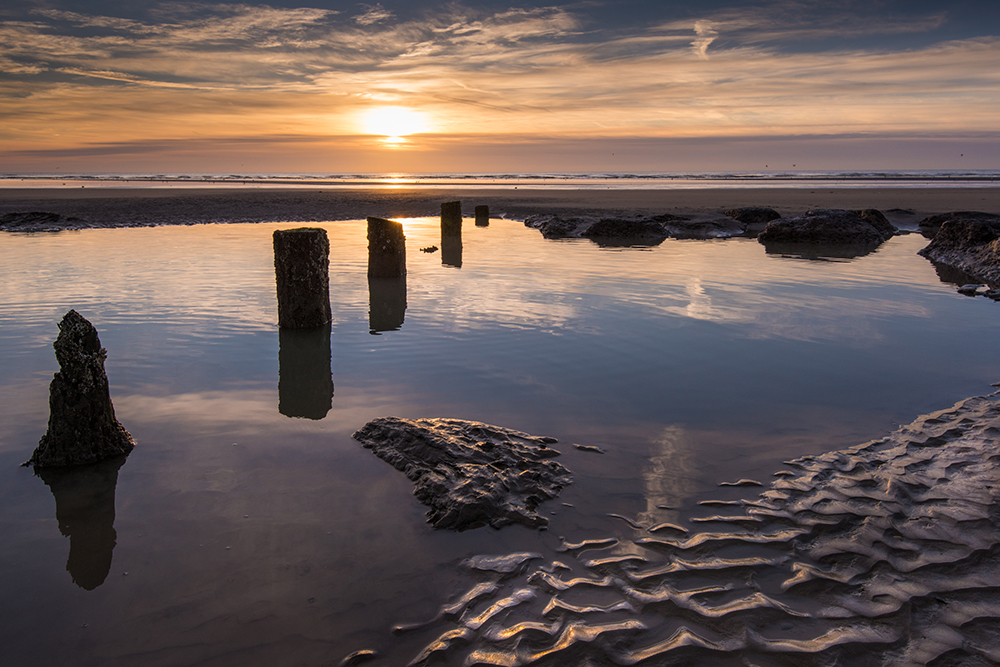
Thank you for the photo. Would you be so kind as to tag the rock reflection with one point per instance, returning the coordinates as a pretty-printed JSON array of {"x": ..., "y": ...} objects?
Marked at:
[
  {"x": 386, "y": 304},
  {"x": 451, "y": 251},
  {"x": 305, "y": 384},
  {"x": 819, "y": 252},
  {"x": 951, "y": 275},
  {"x": 85, "y": 511}
]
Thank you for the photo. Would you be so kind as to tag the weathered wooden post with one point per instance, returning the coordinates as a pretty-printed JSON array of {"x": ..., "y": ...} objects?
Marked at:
[
  {"x": 482, "y": 216},
  {"x": 302, "y": 273},
  {"x": 386, "y": 248},
  {"x": 451, "y": 219}
]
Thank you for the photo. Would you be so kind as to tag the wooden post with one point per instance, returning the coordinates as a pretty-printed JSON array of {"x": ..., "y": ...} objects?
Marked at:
[
  {"x": 386, "y": 248},
  {"x": 302, "y": 273}
]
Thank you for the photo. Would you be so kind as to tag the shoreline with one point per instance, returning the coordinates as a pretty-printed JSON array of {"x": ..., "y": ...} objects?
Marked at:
[{"x": 126, "y": 207}]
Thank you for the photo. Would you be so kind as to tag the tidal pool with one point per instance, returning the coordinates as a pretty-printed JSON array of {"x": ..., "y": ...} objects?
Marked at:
[{"x": 249, "y": 528}]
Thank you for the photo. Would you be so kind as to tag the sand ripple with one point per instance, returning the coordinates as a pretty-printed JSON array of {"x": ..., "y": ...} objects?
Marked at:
[{"x": 884, "y": 554}]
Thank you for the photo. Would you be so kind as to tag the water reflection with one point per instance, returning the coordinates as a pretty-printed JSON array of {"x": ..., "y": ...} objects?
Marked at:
[
  {"x": 951, "y": 275},
  {"x": 305, "y": 384},
  {"x": 386, "y": 304},
  {"x": 85, "y": 511},
  {"x": 451, "y": 251},
  {"x": 819, "y": 252},
  {"x": 669, "y": 479}
]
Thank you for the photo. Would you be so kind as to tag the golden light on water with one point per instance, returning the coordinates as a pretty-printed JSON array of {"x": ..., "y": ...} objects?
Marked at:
[{"x": 394, "y": 124}]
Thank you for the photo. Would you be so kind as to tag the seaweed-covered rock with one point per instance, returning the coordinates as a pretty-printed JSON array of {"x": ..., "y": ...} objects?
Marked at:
[
  {"x": 969, "y": 242},
  {"x": 82, "y": 425},
  {"x": 470, "y": 474},
  {"x": 830, "y": 227},
  {"x": 635, "y": 230}
]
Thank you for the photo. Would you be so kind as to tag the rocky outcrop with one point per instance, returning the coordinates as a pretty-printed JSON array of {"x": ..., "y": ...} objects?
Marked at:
[
  {"x": 967, "y": 241},
  {"x": 859, "y": 228},
  {"x": 753, "y": 218},
  {"x": 929, "y": 226},
  {"x": 470, "y": 474},
  {"x": 40, "y": 221},
  {"x": 636, "y": 230},
  {"x": 82, "y": 425}
]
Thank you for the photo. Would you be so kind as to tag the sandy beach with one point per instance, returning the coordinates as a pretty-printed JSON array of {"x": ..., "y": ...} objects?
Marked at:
[{"x": 114, "y": 207}]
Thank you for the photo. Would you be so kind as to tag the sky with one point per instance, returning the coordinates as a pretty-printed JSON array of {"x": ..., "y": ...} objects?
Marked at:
[{"x": 105, "y": 86}]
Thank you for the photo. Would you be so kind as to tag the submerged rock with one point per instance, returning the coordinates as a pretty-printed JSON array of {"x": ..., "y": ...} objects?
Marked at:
[
  {"x": 969, "y": 242},
  {"x": 470, "y": 474},
  {"x": 753, "y": 218},
  {"x": 82, "y": 425},
  {"x": 830, "y": 227}
]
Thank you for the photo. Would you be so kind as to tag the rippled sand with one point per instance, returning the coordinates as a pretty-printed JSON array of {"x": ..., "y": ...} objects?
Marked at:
[{"x": 884, "y": 554}]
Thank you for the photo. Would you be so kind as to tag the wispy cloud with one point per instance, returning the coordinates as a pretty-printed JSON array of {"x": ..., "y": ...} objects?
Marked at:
[{"x": 245, "y": 70}]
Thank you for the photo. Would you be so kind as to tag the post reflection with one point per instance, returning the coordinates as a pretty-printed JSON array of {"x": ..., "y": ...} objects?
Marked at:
[
  {"x": 386, "y": 304},
  {"x": 451, "y": 251},
  {"x": 305, "y": 383},
  {"x": 669, "y": 478},
  {"x": 85, "y": 512}
]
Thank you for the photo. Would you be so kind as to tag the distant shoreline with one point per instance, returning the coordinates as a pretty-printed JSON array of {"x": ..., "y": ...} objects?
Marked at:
[{"x": 135, "y": 206}]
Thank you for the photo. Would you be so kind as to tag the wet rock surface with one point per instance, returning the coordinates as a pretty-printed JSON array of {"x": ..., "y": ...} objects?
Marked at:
[
  {"x": 859, "y": 228},
  {"x": 636, "y": 230},
  {"x": 82, "y": 426},
  {"x": 470, "y": 474},
  {"x": 967, "y": 241},
  {"x": 883, "y": 554},
  {"x": 40, "y": 221}
]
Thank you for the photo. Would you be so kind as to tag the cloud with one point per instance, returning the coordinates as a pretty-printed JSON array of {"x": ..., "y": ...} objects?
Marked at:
[
  {"x": 241, "y": 71},
  {"x": 373, "y": 14}
]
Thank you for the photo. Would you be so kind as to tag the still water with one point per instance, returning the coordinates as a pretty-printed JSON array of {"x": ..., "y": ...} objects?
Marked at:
[{"x": 248, "y": 527}]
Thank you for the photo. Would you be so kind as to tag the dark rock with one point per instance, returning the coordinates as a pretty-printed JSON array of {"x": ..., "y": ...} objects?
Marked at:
[
  {"x": 482, "y": 216},
  {"x": 451, "y": 218},
  {"x": 82, "y": 425},
  {"x": 901, "y": 211},
  {"x": 714, "y": 228},
  {"x": 555, "y": 227},
  {"x": 752, "y": 215},
  {"x": 430, "y": 248},
  {"x": 648, "y": 231},
  {"x": 386, "y": 248},
  {"x": 470, "y": 474},
  {"x": 302, "y": 274},
  {"x": 867, "y": 228},
  {"x": 929, "y": 226},
  {"x": 969, "y": 242},
  {"x": 40, "y": 221}
]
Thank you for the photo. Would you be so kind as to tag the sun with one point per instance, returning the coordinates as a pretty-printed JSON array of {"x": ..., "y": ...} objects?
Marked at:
[{"x": 393, "y": 123}]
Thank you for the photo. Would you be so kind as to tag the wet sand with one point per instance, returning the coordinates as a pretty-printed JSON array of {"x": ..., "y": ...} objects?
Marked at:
[{"x": 122, "y": 207}]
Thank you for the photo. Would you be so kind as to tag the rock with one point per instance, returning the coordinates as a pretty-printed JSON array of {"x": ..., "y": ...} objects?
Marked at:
[
  {"x": 482, "y": 216},
  {"x": 386, "y": 248},
  {"x": 644, "y": 232},
  {"x": 555, "y": 227},
  {"x": 753, "y": 215},
  {"x": 302, "y": 274},
  {"x": 451, "y": 219},
  {"x": 470, "y": 474},
  {"x": 969, "y": 242},
  {"x": 929, "y": 226},
  {"x": 40, "y": 221},
  {"x": 711, "y": 228},
  {"x": 430, "y": 248},
  {"x": 82, "y": 425},
  {"x": 830, "y": 227}
]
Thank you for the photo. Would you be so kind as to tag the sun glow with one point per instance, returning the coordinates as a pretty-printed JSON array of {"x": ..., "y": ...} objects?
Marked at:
[{"x": 393, "y": 123}]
